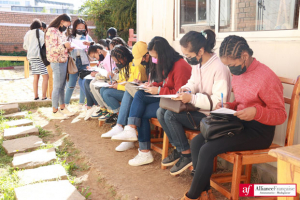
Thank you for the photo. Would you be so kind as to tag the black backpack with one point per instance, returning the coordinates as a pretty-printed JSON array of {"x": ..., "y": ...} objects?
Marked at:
[{"x": 42, "y": 49}]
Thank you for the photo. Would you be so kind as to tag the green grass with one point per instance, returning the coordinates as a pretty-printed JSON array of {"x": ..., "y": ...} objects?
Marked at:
[{"x": 7, "y": 63}]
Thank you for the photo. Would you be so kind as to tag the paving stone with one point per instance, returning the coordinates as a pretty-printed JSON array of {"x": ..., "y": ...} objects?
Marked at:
[
  {"x": 46, "y": 173},
  {"x": 18, "y": 115},
  {"x": 9, "y": 108},
  {"x": 58, "y": 190},
  {"x": 20, "y": 122},
  {"x": 22, "y": 144},
  {"x": 12, "y": 133},
  {"x": 34, "y": 159}
]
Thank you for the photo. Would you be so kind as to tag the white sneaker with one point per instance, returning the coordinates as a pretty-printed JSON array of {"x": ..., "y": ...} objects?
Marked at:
[
  {"x": 89, "y": 112},
  {"x": 82, "y": 114},
  {"x": 58, "y": 115},
  {"x": 125, "y": 146},
  {"x": 128, "y": 135},
  {"x": 142, "y": 158},
  {"x": 114, "y": 131},
  {"x": 67, "y": 112}
]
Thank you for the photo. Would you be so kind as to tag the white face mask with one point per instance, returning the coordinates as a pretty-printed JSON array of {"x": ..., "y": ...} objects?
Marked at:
[{"x": 78, "y": 36}]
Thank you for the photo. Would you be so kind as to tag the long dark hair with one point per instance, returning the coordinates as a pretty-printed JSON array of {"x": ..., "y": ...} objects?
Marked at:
[
  {"x": 56, "y": 22},
  {"x": 118, "y": 40},
  {"x": 197, "y": 40},
  {"x": 166, "y": 58},
  {"x": 76, "y": 22},
  {"x": 121, "y": 52},
  {"x": 233, "y": 46}
]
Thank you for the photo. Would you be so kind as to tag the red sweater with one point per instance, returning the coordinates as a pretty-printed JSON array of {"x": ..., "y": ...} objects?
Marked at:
[
  {"x": 177, "y": 77},
  {"x": 260, "y": 87}
]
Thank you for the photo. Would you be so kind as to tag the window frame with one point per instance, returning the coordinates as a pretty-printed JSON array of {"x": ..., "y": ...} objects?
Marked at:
[{"x": 250, "y": 35}]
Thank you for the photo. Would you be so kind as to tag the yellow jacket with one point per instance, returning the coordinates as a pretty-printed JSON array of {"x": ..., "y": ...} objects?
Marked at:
[{"x": 134, "y": 72}]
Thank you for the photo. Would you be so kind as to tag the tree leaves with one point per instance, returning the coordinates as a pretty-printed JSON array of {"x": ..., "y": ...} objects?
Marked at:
[{"x": 111, "y": 13}]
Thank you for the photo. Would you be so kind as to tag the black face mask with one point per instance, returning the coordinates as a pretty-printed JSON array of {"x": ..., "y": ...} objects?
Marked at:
[
  {"x": 237, "y": 70},
  {"x": 62, "y": 28},
  {"x": 101, "y": 57},
  {"x": 119, "y": 66},
  {"x": 194, "y": 61},
  {"x": 144, "y": 63},
  {"x": 80, "y": 32}
]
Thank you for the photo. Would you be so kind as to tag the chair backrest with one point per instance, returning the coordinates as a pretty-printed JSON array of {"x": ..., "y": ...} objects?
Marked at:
[{"x": 294, "y": 103}]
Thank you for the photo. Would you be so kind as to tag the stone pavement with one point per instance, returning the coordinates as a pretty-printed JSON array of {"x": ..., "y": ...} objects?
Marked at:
[
  {"x": 15, "y": 88},
  {"x": 54, "y": 189}
]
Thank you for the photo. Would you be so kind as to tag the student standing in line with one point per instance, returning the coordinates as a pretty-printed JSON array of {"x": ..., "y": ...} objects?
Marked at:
[
  {"x": 210, "y": 78},
  {"x": 79, "y": 32},
  {"x": 44, "y": 26},
  {"x": 38, "y": 68},
  {"x": 112, "y": 33},
  {"x": 57, "y": 48},
  {"x": 171, "y": 72},
  {"x": 259, "y": 104}
]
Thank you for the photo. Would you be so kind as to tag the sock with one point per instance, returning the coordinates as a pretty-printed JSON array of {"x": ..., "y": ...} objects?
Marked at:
[{"x": 186, "y": 155}]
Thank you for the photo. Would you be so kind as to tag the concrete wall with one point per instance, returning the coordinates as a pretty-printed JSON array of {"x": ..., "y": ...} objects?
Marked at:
[
  {"x": 280, "y": 54},
  {"x": 14, "y": 25}
]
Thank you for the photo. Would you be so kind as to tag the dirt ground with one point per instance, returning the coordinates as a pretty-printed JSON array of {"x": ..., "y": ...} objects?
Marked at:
[{"x": 109, "y": 176}]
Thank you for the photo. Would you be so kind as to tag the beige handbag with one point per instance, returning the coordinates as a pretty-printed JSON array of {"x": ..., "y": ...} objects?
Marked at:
[
  {"x": 131, "y": 89},
  {"x": 72, "y": 69}
]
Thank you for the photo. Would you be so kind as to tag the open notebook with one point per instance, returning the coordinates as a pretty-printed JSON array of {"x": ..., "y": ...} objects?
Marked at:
[{"x": 224, "y": 111}]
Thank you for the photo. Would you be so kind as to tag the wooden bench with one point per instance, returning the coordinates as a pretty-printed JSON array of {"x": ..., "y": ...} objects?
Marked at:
[
  {"x": 18, "y": 58},
  {"x": 247, "y": 158}
]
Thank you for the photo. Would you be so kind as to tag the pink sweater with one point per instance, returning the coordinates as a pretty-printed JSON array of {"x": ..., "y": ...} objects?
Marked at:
[
  {"x": 212, "y": 78},
  {"x": 260, "y": 87}
]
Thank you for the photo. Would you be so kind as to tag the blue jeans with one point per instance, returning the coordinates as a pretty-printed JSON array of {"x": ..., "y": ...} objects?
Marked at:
[
  {"x": 125, "y": 109},
  {"x": 72, "y": 83},
  {"x": 112, "y": 98},
  {"x": 174, "y": 124},
  {"x": 89, "y": 96},
  {"x": 59, "y": 83},
  {"x": 143, "y": 108}
]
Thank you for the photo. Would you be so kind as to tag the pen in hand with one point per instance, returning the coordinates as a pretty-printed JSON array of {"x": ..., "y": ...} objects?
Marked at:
[
  {"x": 110, "y": 79},
  {"x": 222, "y": 99}
]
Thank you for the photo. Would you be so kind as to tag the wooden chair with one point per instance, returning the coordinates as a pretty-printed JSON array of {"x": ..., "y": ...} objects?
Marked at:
[
  {"x": 246, "y": 159},
  {"x": 131, "y": 37},
  {"x": 156, "y": 143}
]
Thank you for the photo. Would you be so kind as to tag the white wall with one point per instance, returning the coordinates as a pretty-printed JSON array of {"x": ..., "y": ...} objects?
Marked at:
[{"x": 155, "y": 18}]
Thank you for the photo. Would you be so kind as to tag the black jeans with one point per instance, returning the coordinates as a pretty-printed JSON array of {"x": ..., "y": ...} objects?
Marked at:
[
  {"x": 254, "y": 136},
  {"x": 174, "y": 124}
]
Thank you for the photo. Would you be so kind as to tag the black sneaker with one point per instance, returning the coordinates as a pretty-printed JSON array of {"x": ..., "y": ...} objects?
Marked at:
[
  {"x": 182, "y": 164},
  {"x": 113, "y": 118},
  {"x": 171, "y": 159}
]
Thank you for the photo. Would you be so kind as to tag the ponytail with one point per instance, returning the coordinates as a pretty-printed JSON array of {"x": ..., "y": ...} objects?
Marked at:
[{"x": 197, "y": 40}]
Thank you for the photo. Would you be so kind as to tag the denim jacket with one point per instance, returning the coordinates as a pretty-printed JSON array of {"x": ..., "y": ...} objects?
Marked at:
[{"x": 83, "y": 53}]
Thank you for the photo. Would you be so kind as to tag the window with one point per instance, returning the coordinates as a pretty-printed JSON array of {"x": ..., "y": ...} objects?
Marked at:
[
  {"x": 17, "y": 2},
  {"x": 199, "y": 15},
  {"x": 260, "y": 15},
  {"x": 26, "y": 9},
  {"x": 5, "y": 2},
  {"x": 27, "y": 3}
]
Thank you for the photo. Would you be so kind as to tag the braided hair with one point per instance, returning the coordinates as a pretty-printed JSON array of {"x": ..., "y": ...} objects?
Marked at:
[
  {"x": 233, "y": 47},
  {"x": 123, "y": 53},
  {"x": 117, "y": 40}
]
